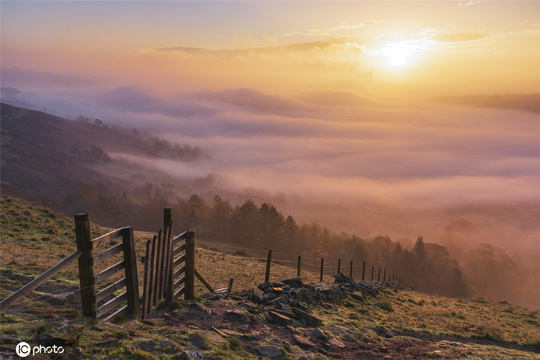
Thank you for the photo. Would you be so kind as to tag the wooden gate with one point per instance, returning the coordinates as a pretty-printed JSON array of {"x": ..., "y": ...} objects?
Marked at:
[{"x": 169, "y": 266}]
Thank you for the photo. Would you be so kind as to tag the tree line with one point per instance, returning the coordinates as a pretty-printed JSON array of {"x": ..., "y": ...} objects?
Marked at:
[{"x": 429, "y": 267}]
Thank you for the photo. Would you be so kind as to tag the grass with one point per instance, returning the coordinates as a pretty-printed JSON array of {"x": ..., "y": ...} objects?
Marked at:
[{"x": 470, "y": 328}]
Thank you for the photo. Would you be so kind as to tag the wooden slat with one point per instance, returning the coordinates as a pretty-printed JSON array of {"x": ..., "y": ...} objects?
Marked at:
[
  {"x": 39, "y": 280},
  {"x": 179, "y": 261},
  {"x": 204, "y": 281},
  {"x": 179, "y": 271},
  {"x": 152, "y": 263},
  {"x": 157, "y": 269},
  {"x": 117, "y": 312},
  {"x": 104, "y": 255},
  {"x": 179, "y": 292},
  {"x": 111, "y": 289},
  {"x": 178, "y": 250},
  {"x": 179, "y": 282},
  {"x": 103, "y": 239},
  {"x": 146, "y": 284},
  {"x": 111, "y": 304},
  {"x": 179, "y": 238},
  {"x": 108, "y": 272}
]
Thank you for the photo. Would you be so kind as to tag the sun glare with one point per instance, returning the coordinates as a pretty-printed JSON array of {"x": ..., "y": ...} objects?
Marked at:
[{"x": 396, "y": 54}]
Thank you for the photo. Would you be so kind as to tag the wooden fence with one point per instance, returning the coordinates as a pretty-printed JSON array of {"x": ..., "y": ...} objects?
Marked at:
[{"x": 169, "y": 266}]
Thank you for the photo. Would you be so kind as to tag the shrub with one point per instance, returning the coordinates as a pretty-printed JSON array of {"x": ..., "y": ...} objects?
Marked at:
[{"x": 385, "y": 305}]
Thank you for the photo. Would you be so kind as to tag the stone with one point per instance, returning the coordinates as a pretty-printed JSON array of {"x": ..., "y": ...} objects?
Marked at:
[
  {"x": 318, "y": 335},
  {"x": 308, "y": 318},
  {"x": 269, "y": 296},
  {"x": 336, "y": 343},
  {"x": 269, "y": 351},
  {"x": 9, "y": 339},
  {"x": 62, "y": 336},
  {"x": 303, "y": 342},
  {"x": 145, "y": 345},
  {"x": 295, "y": 282},
  {"x": 189, "y": 355},
  {"x": 104, "y": 326},
  {"x": 280, "y": 319},
  {"x": 167, "y": 344},
  {"x": 264, "y": 285},
  {"x": 236, "y": 317},
  {"x": 76, "y": 354},
  {"x": 357, "y": 295},
  {"x": 197, "y": 341},
  {"x": 256, "y": 295},
  {"x": 155, "y": 322}
]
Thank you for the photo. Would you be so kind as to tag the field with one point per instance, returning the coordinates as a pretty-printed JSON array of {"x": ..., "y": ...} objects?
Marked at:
[{"x": 394, "y": 324}]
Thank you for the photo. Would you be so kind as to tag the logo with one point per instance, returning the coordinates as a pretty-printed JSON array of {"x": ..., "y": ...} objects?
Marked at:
[{"x": 23, "y": 349}]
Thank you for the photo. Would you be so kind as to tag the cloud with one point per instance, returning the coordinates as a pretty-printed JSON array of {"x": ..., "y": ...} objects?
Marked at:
[
  {"x": 526, "y": 102},
  {"x": 338, "y": 98},
  {"x": 29, "y": 79},
  {"x": 458, "y": 37},
  {"x": 134, "y": 99}
]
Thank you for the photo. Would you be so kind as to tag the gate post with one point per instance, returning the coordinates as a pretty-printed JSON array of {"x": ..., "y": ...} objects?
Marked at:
[
  {"x": 189, "y": 274},
  {"x": 132, "y": 281},
  {"x": 86, "y": 269}
]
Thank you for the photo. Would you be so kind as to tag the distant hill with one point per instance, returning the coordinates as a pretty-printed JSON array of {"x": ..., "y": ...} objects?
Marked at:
[{"x": 48, "y": 156}]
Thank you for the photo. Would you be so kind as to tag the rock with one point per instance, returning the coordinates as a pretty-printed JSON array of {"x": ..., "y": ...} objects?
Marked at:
[
  {"x": 104, "y": 326},
  {"x": 295, "y": 282},
  {"x": 62, "y": 336},
  {"x": 256, "y": 295},
  {"x": 76, "y": 354},
  {"x": 357, "y": 295},
  {"x": 308, "y": 318},
  {"x": 318, "y": 335},
  {"x": 167, "y": 344},
  {"x": 146, "y": 345},
  {"x": 234, "y": 316},
  {"x": 278, "y": 284},
  {"x": 335, "y": 343},
  {"x": 269, "y": 351},
  {"x": 189, "y": 355},
  {"x": 303, "y": 342},
  {"x": 324, "y": 288},
  {"x": 210, "y": 296},
  {"x": 9, "y": 339},
  {"x": 269, "y": 296},
  {"x": 197, "y": 341},
  {"x": 264, "y": 285},
  {"x": 280, "y": 319}
]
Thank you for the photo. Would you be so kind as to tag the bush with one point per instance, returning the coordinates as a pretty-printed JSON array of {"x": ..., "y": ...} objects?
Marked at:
[{"x": 385, "y": 305}]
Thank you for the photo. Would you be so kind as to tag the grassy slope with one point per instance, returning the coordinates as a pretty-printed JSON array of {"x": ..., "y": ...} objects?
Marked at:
[{"x": 393, "y": 323}]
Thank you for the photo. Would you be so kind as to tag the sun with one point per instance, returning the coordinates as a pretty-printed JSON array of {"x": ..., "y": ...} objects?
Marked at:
[{"x": 396, "y": 55}]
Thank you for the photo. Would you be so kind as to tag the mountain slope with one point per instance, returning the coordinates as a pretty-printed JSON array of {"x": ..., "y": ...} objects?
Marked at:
[{"x": 48, "y": 156}]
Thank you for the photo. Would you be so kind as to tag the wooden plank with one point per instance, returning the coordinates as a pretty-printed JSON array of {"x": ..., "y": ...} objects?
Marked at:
[
  {"x": 157, "y": 269},
  {"x": 163, "y": 264},
  {"x": 111, "y": 304},
  {"x": 180, "y": 281},
  {"x": 132, "y": 278},
  {"x": 179, "y": 292},
  {"x": 104, "y": 239},
  {"x": 39, "y": 280},
  {"x": 178, "y": 238},
  {"x": 169, "y": 269},
  {"x": 178, "y": 250},
  {"x": 189, "y": 293},
  {"x": 152, "y": 260},
  {"x": 179, "y": 271},
  {"x": 86, "y": 270},
  {"x": 104, "y": 255},
  {"x": 117, "y": 312},
  {"x": 179, "y": 261},
  {"x": 146, "y": 283},
  {"x": 111, "y": 289},
  {"x": 111, "y": 270},
  {"x": 204, "y": 281}
]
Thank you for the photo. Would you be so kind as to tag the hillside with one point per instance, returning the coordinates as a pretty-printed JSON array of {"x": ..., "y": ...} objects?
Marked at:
[
  {"x": 47, "y": 157},
  {"x": 384, "y": 322}
]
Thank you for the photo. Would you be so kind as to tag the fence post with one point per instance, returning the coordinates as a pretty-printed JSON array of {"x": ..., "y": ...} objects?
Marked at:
[
  {"x": 322, "y": 267},
  {"x": 167, "y": 224},
  {"x": 86, "y": 269},
  {"x": 372, "y": 271},
  {"x": 189, "y": 281},
  {"x": 339, "y": 266},
  {"x": 363, "y": 270},
  {"x": 157, "y": 269},
  {"x": 132, "y": 280},
  {"x": 379, "y": 275},
  {"x": 268, "y": 262},
  {"x": 350, "y": 273},
  {"x": 384, "y": 277},
  {"x": 146, "y": 282},
  {"x": 298, "y": 267}
]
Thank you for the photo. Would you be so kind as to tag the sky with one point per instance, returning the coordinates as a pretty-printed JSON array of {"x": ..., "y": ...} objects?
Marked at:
[{"x": 371, "y": 117}]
